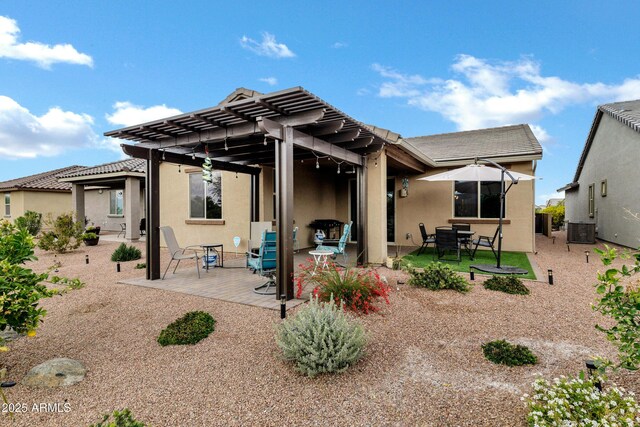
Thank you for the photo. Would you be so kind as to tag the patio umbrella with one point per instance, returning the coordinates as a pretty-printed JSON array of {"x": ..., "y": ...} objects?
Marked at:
[{"x": 476, "y": 172}]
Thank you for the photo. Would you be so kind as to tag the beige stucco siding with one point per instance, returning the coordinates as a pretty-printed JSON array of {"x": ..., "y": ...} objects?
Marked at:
[
  {"x": 40, "y": 201},
  {"x": 97, "y": 209},
  {"x": 432, "y": 203}
]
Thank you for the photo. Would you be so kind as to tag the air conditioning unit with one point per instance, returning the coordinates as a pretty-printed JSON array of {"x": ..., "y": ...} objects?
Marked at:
[{"x": 581, "y": 232}]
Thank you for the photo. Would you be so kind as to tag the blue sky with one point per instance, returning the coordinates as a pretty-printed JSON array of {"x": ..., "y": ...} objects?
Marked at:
[{"x": 71, "y": 70}]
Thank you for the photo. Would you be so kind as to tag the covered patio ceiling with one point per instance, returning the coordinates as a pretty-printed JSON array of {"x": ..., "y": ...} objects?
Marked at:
[{"x": 242, "y": 132}]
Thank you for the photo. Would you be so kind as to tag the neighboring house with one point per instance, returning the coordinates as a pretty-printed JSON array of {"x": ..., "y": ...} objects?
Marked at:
[
  {"x": 110, "y": 195},
  {"x": 604, "y": 190},
  {"x": 554, "y": 202},
  {"x": 40, "y": 193},
  {"x": 328, "y": 165}
]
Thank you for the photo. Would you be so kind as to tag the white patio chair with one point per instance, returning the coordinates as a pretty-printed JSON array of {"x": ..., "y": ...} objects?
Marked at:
[{"x": 177, "y": 253}]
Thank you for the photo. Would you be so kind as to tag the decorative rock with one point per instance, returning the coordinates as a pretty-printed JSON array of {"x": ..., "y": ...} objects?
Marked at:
[
  {"x": 8, "y": 335},
  {"x": 55, "y": 373}
]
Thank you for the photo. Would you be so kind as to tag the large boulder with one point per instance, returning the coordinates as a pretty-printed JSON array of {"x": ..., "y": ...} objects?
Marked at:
[{"x": 55, "y": 373}]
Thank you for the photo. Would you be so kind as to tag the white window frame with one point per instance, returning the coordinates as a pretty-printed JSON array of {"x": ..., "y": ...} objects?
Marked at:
[
  {"x": 7, "y": 205},
  {"x": 592, "y": 200},
  {"x": 206, "y": 184},
  {"x": 111, "y": 212}
]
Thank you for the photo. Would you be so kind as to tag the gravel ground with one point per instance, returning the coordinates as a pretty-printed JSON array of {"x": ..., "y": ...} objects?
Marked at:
[{"x": 424, "y": 364}]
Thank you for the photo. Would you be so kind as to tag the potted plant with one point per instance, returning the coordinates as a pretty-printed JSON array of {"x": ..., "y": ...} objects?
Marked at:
[
  {"x": 90, "y": 239},
  {"x": 95, "y": 229}
]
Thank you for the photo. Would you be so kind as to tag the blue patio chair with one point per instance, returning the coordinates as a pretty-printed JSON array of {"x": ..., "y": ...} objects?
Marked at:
[
  {"x": 340, "y": 249},
  {"x": 264, "y": 263}
]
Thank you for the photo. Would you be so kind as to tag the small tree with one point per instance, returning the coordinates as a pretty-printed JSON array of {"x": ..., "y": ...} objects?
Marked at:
[
  {"x": 620, "y": 301},
  {"x": 31, "y": 221},
  {"x": 65, "y": 234},
  {"x": 20, "y": 288},
  {"x": 557, "y": 214}
]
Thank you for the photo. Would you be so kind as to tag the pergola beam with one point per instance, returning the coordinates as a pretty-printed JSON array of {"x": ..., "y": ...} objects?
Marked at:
[
  {"x": 359, "y": 143},
  {"x": 327, "y": 128},
  {"x": 347, "y": 136}
]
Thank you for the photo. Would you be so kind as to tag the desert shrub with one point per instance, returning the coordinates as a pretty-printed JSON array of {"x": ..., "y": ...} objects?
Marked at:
[
  {"x": 191, "y": 328},
  {"x": 141, "y": 265},
  {"x": 321, "y": 338},
  {"x": 505, "y": 353},
  {"x": 64, "y": 234},
  {"x": 508, "y": 284},
  {"x": 577, "y": 402},
  {"x": 20, "y": 288},
  {"x": 125, "y": 253},
  {"x": 359, "y": 289},
  {"x": 88, "y": 236},
  {"x": 621, "y": 302},
  {"x": 436, "y": 276},
  {"x": 30, "y": 221},
  {"x": 122, "y": 418},
  {"x": 68, "y": 283}
]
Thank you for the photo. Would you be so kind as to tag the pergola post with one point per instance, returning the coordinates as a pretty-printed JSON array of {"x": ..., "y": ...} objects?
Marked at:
[
  {"x": 255, "y": 198},
  {"x": 77, "y": 197},
  {"x": 153, "y": 215},
  {"x": 132, "y": 208},
  {"x": 361, "y": 194},
  {"x": 284, "y": 214}
]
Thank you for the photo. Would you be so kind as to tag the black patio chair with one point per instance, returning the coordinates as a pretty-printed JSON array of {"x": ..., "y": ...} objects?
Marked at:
[
  {"x": 486, "y": 242},
  {"x": 143, "y": 226},
  {"x": 426, "y": 238},
  {"x": 464, "y": 240},
  {"x": 447, "y": 241}
]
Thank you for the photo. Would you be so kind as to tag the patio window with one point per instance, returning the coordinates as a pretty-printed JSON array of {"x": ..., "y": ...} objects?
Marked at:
[
  {"x": 592, "y": 201},
  {"x": 116, "y": 204},
  {"x": 7, "y": 204},
  {"x": 205, "y": 199},
  {"x": 473, "y": 199}
]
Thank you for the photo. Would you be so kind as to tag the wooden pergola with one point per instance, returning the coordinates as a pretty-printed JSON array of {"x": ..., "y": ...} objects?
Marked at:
[{"x": 272, "y": 129}]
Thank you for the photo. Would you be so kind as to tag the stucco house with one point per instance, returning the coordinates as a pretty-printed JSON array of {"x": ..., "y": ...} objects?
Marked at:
[
  {"x": 290, "y": 157},
  {"x": 41, "y": 193},
  {"x": 110, "y": 195},
  {"x": 604, "y": 190}
]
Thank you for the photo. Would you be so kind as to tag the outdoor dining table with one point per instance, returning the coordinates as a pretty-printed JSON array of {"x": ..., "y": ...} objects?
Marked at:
[{"x": 464, "y": 235}]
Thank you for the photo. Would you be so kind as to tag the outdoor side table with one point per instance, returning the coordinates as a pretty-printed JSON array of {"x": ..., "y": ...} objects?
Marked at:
[
  {"x": 320, "y": 258},
  {"x": 208, "y": 247}
]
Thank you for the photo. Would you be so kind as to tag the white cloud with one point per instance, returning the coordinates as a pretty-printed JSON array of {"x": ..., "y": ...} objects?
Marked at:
[
  {"x": 543, "y": 198},
  {"x": 496, "y": 93},
  {"x": 271, "y": 81},
  {"x": 267, "y": 47},
  {"x": 339, "y": 45},
  {"x": 128, "y": 114},
  {"x": 42, "y": 54},
  {"x": 25, "y": 135}
]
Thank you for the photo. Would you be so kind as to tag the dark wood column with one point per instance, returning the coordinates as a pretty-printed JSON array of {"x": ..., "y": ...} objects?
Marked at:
[
  {"x": 361, "y": 194},
  {"x": 284, "y": 214},
  {"x": 255, "y": 198},
  {"x": 153, "y": 215}
]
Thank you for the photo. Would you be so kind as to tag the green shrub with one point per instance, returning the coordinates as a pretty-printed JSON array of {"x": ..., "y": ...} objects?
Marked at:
[
  {"x": 557, "y": 214},
  {"x": 505, "y": 353},
  {"x": 141, "y": 265},
  {"x": 191, "y": 328},
  {"x": 89, "y": 236},
  {"x": 64, "y": 235},
  {"x": 508, "y": 284},
  {"x": 74, "y": 283},
  {"x": 359, "y": 289},
  {"x": 321, "y": 338},
  {"x": 436, "y": 276},
  {"x": 20, "y": 288},
  {"x": 30, "y": 221},
  {"x": 125, "y": 253},
  {"x": 122, "y": 418},
  {"x": 577, "y": 402}
]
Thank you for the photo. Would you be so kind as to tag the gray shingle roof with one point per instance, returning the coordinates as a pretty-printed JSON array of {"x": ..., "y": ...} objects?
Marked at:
[
  {"x": 45, "y": 181},
  {"x": 128, "y": 165},
  {"x": 627, "y": 112},
  {"x": 516, "y": 140}
]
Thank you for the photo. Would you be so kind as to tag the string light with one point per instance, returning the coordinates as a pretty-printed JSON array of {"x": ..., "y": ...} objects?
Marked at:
[
  {"x": 265, "y": 140},
  {"x": 163, "y": 154},
  {"x": 317, "y": 163},
  {"x": 338, "y": 168},
  {"x": 226, "y": 148},
  {"x": 179, "y": 170}
]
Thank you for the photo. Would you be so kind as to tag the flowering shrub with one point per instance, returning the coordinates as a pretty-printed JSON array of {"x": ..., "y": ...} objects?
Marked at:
[
  {"x": 358, "y": 289},
  {"x": 321, "y": 338},
  {"x": 577, "y": 402}
]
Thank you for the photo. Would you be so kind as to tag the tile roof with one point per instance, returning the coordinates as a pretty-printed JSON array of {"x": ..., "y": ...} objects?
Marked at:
[
  {"x": 627, "y": 112},
  {"x": 46, "y": 181},
  {"x": 516, "y": 140},
  {"x": 128, "y": 165}
]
